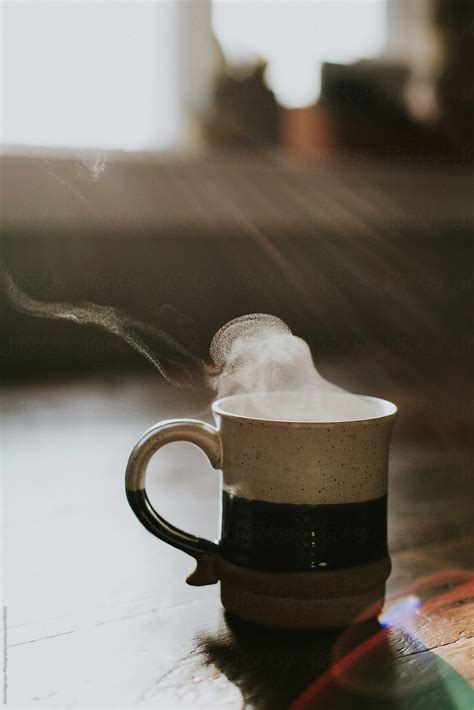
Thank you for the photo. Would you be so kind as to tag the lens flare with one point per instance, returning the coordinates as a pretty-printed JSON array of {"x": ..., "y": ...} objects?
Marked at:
[{"x": 393, "y": 614}]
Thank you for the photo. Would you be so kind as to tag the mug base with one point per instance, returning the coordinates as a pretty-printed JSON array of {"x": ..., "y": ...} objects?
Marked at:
[{"x": 315, "y": 599}]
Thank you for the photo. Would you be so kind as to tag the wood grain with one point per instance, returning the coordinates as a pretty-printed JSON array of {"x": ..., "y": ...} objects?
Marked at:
[{"x": 99, "y": 615}]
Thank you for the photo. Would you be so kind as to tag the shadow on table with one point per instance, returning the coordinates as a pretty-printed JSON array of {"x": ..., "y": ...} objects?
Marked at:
[{"x": 364, "y": 667}]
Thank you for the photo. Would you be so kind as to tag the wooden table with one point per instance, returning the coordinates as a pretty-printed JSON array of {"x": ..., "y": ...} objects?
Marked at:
[{"x": 98, "y": 613}]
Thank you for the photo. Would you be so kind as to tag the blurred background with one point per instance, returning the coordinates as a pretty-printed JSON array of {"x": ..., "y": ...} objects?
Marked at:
[{"x": 192, "y": 161}]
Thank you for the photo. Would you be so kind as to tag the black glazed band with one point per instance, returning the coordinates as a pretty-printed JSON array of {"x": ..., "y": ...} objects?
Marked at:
[
  {"x": 286, "y": 537},
  {"x": 160, "y": 527}
]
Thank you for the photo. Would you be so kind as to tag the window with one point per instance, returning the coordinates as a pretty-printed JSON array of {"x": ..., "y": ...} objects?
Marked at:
[
  {"x": 89, "y": 74},
  {"x": 297, "y": 36}
]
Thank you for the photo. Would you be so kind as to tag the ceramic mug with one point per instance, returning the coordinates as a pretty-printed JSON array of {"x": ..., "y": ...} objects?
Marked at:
[{"x": 304, "y": 504}]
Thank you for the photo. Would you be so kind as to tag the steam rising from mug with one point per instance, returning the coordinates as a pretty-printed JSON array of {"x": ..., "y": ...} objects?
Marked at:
[
  {"x": 252, "y": 353},
  {"x": 131, "y": 330},
  {"x": 259, "y": 353}
]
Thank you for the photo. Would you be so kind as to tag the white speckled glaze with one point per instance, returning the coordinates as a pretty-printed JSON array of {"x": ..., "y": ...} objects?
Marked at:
[{"x": 341, "y": 457}]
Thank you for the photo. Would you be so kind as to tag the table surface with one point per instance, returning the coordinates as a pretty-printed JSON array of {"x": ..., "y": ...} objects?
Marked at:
[{"x": 98, "y": 614}]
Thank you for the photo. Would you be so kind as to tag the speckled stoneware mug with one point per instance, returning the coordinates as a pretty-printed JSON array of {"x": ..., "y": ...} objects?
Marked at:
[{"x": 304, "y": 504}]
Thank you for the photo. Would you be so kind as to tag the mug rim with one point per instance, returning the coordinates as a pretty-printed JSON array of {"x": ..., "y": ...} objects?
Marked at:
[{"x": 217, "y": 409}]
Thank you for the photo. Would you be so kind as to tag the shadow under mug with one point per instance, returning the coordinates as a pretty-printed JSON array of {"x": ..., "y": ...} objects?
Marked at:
[{"x": 304, "y": 504}]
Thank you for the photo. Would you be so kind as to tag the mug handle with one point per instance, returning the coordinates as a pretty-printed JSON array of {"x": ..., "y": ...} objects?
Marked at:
[{"x": 208, "y": 439}]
